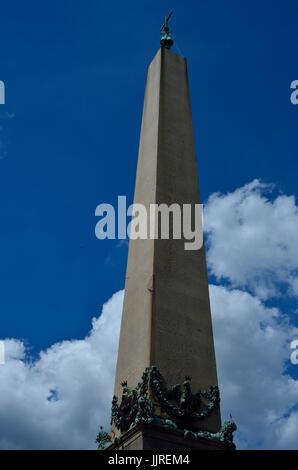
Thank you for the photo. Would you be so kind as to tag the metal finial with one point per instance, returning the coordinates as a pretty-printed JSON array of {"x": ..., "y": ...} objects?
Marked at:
[{"x": 166, "y": 39}]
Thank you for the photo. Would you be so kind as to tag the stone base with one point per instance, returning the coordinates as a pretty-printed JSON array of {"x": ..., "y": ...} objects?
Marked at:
[{"x": 147, "y": 437}]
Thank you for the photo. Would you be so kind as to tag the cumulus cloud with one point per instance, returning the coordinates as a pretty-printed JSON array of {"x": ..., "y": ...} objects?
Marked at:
[
  {"x": 253, "y": 239},
  {"x": 252, "y": 348},
  {"x": 59, "y": 401}
]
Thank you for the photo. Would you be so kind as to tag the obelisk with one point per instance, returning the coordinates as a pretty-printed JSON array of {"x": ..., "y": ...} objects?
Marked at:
[{"x": 166, "y": 327}]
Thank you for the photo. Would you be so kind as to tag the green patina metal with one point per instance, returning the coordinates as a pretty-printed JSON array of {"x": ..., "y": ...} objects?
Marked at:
[
  {"x": 151, "y": 402},
  {"x": 224, "y": 435},
  {"x": 103, "y": 439},
  {"x": 166, "y": 38}
]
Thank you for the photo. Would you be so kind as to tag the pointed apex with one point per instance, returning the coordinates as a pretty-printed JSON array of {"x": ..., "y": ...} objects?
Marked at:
[{"x": 166, "y": 39}]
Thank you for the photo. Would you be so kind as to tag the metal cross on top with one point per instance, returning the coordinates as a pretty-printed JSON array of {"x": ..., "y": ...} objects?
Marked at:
[{"x": 166, "y": 39}]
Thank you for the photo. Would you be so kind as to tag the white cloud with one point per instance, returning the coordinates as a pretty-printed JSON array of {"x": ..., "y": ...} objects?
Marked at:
[
  {"x": 284, "y": 434},
  {"x": 60, "y": 400},
  {"x": 253, "y": 347},
  {"x": 253, "y": 240},
  {"x": 252, "y": 245}
]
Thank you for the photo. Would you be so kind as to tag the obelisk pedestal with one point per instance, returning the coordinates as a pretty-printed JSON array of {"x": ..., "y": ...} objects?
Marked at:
[{"x": 148, "y": 437}]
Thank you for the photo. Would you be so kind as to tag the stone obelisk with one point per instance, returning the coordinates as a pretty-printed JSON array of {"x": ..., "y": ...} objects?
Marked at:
[{"x": 166, "y": 327}]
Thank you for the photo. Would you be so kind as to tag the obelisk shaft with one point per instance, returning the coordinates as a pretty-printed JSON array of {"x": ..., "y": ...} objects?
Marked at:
[{"x": 166, "y": 318}]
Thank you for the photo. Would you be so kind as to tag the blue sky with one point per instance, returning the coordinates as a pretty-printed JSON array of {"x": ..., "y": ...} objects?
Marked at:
[{"x": 75, "y": 73}]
